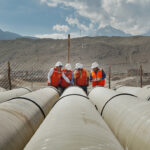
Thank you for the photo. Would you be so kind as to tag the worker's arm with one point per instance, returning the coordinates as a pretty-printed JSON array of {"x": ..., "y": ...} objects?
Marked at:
[
  {"x": 65, "y": 78},
  {"x": 103, "y": 74},
  {"x": 87, "y": 78},
  {"x": 90, "y": 78},
  {"x": 49, "y": 76},
  {"x": 72, "y": 79}
]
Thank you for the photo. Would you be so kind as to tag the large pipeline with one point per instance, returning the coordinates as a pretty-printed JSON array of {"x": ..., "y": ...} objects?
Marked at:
[
  {"x": 4, "y": 96},
  {"x": 127, "y": 116},
  {"x": 20, "y": 117},
  {"x": 2, "y": 89},
  {"x": 73, "y": 124},
  {"x": 143, "y": 93}
]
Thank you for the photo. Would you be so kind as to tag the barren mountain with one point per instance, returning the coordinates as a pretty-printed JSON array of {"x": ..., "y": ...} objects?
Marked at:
[
  {"x": 122, "y": 53},
  {"x": 5, "y": 35}
]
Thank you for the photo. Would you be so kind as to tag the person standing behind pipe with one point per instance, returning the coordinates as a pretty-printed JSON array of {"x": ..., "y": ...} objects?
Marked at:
[
  {"x": 81, "y": 77},
  {"x": 54, "y": 76},
  {"x": 97, "y": 76},
  {"x": 67, "y": 77}
]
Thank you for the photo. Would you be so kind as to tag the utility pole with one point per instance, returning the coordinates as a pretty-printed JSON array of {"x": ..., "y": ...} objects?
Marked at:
[
  {"x": 141, "y": 76},
  {"x": 68, "y": 48}
]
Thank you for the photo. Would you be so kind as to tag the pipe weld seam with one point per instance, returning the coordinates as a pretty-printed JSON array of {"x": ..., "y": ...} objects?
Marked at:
[
  {"x": 113, "y": 98},
  {"x": 54, "y": 89},
  {"x": 74, "y": 95},
  {"x": 26, "y": 89},
  {"x": 116, "y": 88},
  {"x": 30, "y": 100}
]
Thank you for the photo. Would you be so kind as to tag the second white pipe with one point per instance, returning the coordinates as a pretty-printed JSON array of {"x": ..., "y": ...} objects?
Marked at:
[{"x": 127, "y": 116}]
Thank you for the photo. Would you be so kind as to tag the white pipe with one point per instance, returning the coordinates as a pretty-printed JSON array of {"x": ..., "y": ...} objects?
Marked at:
[
  {"x": 2, "y": 89},
  {"x": 4, "y": 96},
  {"x": 143, "y": 93},
  {"x": 74, "y": 90},
  {"x": 73, "y": 124},
  {"x": 127, "y": 116},
  {"x": 20, "y": 117},
  {"x": 147, "y": 87}
]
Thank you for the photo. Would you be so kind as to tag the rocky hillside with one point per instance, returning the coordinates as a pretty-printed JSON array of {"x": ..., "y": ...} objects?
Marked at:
[{"x": 122, "y": 53}]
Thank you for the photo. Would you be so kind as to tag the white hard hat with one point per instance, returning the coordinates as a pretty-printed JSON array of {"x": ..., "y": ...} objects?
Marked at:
[
  {"x": 77, "y": 66},
  {"x": 94, "y": 65},
  {"x": 59, "y": 64},
  {"x": 81, "y": 66},
  {"x": 68, "y": 66}
]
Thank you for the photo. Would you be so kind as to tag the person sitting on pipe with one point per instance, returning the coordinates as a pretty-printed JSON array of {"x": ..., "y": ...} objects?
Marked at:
[
  {"x": 97, "y": 76},
  {"x": 54, "y": 76},
  {"x": 81, "y": 77},
  {"x": 67, "y": 77}
]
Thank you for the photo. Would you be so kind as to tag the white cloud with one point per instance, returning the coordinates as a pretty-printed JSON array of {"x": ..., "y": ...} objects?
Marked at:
[
  {"x": 131, "y": 16},
  {"x": 61, "y": 28},
  {"x": 50, "y": 3},
  {"x": 52, "y": 36},
  {"x": 58, "y": 35},
  {"x": 75, "y": 21}
]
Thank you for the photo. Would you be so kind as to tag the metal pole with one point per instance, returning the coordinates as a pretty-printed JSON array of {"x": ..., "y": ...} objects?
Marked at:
[
  {"x": 9, "y": 76},
  {"x": 141, "y": 76},
  {"x": 109, "y": 77},
  {"x": 68, "y": 48}
]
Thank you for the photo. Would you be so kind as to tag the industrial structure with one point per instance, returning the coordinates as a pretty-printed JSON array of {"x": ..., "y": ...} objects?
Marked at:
[
  {"x": 104, "y": 120},
  {"x": 126, "y": 115},
  {"x": 20, "y": 117}
]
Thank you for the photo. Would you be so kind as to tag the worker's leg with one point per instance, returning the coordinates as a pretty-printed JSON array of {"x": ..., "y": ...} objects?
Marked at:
[
  {"x": 84, "y": 88},
  {"x": 62, "y": 89}
]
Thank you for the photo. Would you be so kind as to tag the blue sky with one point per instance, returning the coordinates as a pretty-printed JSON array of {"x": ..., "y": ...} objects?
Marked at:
[
  {"x": 57, "y": 18},
  {"x": 30, "y": 16}
]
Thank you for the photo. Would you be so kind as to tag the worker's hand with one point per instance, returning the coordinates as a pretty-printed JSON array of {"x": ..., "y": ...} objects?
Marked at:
[
  {"x": 94, "y": 80},
  {"x": 99, "y": 79},
  {"x": 49, "y": 84},
  {"x": 71, "y": 84}
]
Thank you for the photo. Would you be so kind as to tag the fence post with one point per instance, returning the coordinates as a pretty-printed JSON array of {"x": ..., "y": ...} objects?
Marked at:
[
  {"x": 109, "y": 77},
  {"x": 9, "y": 76},
  {"x": 141, "y": 76}
]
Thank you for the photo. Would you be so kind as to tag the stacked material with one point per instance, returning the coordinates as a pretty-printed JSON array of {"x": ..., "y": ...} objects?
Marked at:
[
  {"x": 73, "y": 124},
  {"x": 20, "y": 117},
  {"x": 126, "y": 115},
  {"x": 142, "y": 93},
  {"x": 4, "y": 96},
  {"x": 2, "y": 89}
]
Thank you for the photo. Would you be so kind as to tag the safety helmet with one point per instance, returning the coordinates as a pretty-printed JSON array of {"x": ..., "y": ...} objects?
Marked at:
[
  {"x": 68, "y": 66},
  {"x": 81, "y": 66},
  {"x": 94, "y": 65},
  {"x": 59, "y": 64},
  {"x": 77, "y": 66}
]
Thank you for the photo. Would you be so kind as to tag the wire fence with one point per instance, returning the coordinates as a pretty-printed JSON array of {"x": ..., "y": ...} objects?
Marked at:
[
  {"x": 34, "y": 75},
  {"x": 22, "y": 75}
]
